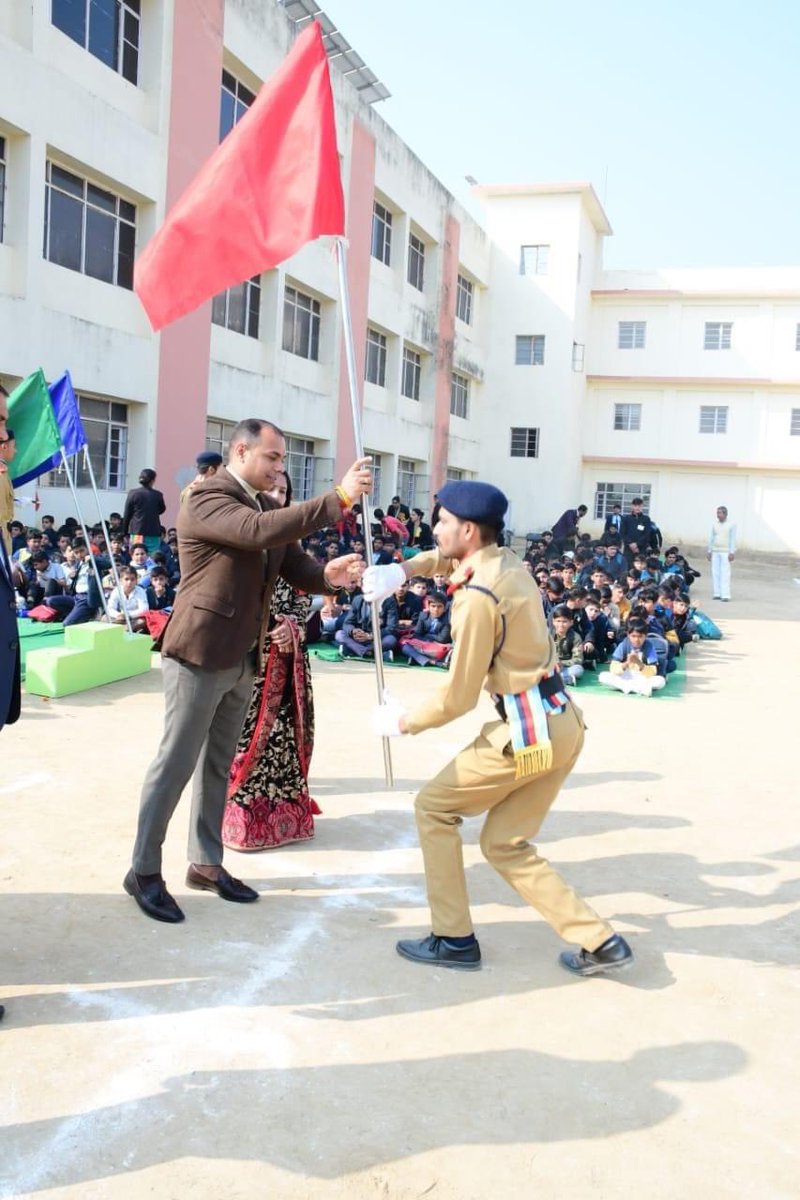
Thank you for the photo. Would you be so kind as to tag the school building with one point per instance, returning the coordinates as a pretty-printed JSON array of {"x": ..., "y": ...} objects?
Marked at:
[{"x": 501, "y": 350}]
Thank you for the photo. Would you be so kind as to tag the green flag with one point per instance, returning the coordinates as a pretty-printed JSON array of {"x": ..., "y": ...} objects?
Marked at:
[{"x": 31, "y": 417}]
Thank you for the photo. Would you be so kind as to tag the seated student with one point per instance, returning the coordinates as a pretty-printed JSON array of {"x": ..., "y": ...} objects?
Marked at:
[
  {"x": 45, "y": 579},
  {"x": 50, "y": 533},
  {"x": 116, "y": 543},
  {"x": 17, "y": 531},
  {"x": 635, "y": 583},
  {"x": 128, "y": 597},
  {"x": 619, "y": 598},
  {"x": 575, "y": 600},
  {"x": 432, "y": 639},
  {"x": 584, "y": 565},
  {"x": 653, "y": 566},
  {"x": 440, "y": 585},
  {"x": 683, "y": 622},
  {"x": 160, "y": 594},
  {"x": 142, "y": 564},
  {"x": 600, "y": 641},
  {"x": 634, "y": 664},
  {"x": 612, "y": 529},
  {"x": 409, "y": 609},
  {"x": 355, "y": 637},
  {"x": 655, "y": 634},
  {"x": 568, "y": 577},
  {"x": 569, "y": 644},
  {"x": 551, "y": 550},
  {"x": 612, "y": 561},
  {"x": 33, "y": 542},
  {"x": 554, "y": 592},
  {"x": 115, "y": 524},
  {"x": 82, "y": 599},
  {"x": 671, "y": 565},
  {"x": 381, "y": 553},
  {"x": 688, "y": 573},
  {"x": 329, "y": 618}
]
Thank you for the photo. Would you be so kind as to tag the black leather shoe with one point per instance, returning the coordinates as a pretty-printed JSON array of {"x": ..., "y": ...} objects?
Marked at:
[
  {"x": 611, "y": 956},
  {"x": 152, "y": 897},
  {"x": 2, "y": 1011},
  {"x": 224, "y": 885},
  {"x": 436, "y": 952}
]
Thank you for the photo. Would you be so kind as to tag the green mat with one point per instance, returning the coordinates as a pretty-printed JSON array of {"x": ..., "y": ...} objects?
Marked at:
[
  {"x": 676, "y": 681},
  {"x": 33, "y": 635}
]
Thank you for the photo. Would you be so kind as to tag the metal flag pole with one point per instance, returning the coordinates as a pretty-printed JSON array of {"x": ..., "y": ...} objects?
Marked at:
[
  {"x": 86, "y": 537},
  {"x": 106, "y": 533},
  {"x": 88, "y": 464},
  {"x": 366, "y": 508}
]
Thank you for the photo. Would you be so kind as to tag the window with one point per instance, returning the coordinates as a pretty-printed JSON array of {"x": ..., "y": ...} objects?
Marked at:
[
  {"x": 106, "y": 426},
  {"x": 407, "y": 481},
  {"x": 235, "y": 99},
  {"x": 87, "y": 228},
  {"x": 218, "y": 435},
  {"x": 412, "y": 372},
  {"x": 301, "y": 319},
  {"x": 628, "y": 417},
  {"x": 381, "y": 233},
  {"x": 300, "y": 463},
  {"x": 524, "y": 443},
  {"x": 464, "y": 291},
  {"x": 578, "y": 355},
  {"x": 3, "y": 186},
  {"x": 377, "y": 463},
  {"x": 454, "y": 474},
  {"x": 375, "y": 367},
  {"x": 416, "y": 262},
  {"x": 530, "y": 350},
  {"x": 108, "y": 29},
  {"x": 238, "y": 308},
  {"x": 631, "y": 335},
  {"x": 718, "y": 335},
  {"x": 713, "y": 418},
  {"x": 794, "y": 423},
  {"x": 609, "y": 494},
  {"x": 534, "y": 260},
  {"x": 459, "y": 395}
]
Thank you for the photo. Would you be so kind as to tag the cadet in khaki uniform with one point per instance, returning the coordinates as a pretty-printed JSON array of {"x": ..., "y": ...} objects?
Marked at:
[{"x": 515, "y": 767}]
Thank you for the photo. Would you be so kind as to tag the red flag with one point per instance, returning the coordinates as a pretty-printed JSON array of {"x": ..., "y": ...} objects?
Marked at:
[{"x": 271, "y": 186}]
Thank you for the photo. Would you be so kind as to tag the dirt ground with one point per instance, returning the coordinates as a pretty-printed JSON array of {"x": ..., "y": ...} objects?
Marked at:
[{"x": 283, "y": 1049}]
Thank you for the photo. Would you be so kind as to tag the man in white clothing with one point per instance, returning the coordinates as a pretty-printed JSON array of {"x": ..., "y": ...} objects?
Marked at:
[{"x": 721, "y": 553}]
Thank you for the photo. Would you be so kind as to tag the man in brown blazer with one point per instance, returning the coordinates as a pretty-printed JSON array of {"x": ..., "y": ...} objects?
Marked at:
[{"x": 234, "y": 542}]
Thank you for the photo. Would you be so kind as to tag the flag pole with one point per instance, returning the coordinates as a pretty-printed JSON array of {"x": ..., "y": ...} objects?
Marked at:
[
  {"x": 366, "y": 508},
  {"x": 86, "y": 537},
  {"x": 88, "y": 464}
]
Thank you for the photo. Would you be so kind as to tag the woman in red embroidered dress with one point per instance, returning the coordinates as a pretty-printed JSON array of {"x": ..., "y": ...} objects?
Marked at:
[{"x": 268, "y": 801}]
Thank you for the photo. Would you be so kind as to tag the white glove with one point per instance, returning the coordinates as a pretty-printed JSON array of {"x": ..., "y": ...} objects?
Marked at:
[
  {"x": 380, "y": 582},
  {"x": 386, "y": 717}
]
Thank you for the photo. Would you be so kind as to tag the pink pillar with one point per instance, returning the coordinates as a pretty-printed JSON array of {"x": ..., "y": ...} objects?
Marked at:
[
  {"x": 193, "y": 136},
  {"x": 360, "y": 195},
  {"x": 444, "y": 353}
]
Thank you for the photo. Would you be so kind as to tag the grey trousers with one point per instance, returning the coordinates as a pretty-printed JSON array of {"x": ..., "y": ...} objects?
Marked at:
[{"x": 203, "y": 717}]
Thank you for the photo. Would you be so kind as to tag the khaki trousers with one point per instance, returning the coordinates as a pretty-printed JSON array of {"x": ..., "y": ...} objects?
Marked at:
[{"x": 482, "y": 778}]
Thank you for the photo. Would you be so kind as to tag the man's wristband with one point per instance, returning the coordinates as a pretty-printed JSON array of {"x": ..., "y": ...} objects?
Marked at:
[{"x": 344, "y": 499}]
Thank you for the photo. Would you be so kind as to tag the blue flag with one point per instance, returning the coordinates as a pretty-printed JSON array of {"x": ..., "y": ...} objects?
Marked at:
[{"x": 68, "y": 420}]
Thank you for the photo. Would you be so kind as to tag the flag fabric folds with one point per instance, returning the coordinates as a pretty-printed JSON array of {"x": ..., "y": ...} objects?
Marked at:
[
  {"x": 71, "y": 431},
  {"x": 271, "y": 186},
  {"x": 31, "y": 416}
]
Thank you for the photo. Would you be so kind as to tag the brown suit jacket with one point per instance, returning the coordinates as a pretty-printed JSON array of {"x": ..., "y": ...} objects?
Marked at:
[{"x": 231, "y": 553}]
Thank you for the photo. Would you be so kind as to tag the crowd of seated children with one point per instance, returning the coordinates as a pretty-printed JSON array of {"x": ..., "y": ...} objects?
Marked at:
[
  {"x": 54, "y": 567},
  {"x": 594, "y": 597}
]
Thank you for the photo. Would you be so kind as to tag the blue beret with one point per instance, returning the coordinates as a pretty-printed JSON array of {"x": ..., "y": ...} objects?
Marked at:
[
  {"x": 473, "y": 501},
  {"x": 209, "y": 458}
]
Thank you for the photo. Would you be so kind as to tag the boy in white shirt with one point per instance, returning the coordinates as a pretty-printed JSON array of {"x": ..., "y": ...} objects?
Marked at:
[{"x": 133, "y": 598}]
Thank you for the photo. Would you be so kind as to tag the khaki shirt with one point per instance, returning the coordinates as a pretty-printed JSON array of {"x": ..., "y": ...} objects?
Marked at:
[
  {"x": 512, "y": 632},
  {"x": 6, "y": 505}
]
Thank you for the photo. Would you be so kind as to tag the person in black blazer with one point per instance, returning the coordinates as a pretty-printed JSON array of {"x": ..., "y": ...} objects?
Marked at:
[
  {"x": 9, "y": 651},
  {"x": 420, "y": 535}
]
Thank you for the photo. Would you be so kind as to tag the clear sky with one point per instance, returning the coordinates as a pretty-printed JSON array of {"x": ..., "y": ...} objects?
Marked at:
[{"x": 683, "y": 114}]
